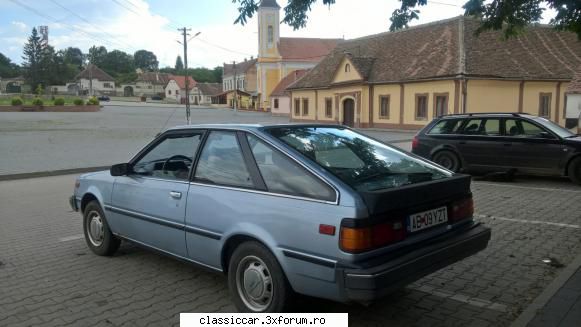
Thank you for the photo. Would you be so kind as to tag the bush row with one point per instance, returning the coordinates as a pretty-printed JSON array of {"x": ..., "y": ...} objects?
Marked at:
[{"x": 17, "y": 101}]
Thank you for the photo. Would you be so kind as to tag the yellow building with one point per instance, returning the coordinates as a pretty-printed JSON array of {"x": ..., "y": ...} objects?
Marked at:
[
  {"x": 279, "y": 56},
  {"x": 404, "y": 79}
]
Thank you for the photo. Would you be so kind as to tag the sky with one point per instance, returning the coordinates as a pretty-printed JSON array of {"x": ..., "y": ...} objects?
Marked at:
[{"x": 131, "y": 25}]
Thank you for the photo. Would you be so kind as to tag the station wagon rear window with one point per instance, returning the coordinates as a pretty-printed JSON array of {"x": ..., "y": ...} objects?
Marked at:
[
  {"x": 447, "y": 126},
  {"x": 361, "y": 162}
]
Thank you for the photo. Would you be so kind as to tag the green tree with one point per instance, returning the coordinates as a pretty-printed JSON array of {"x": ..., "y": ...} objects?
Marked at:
[
  {"x": 118, "y": 62},
  {"x": 97, "y": 55},
  {"x": 218, "y": 74},
  {"x": 73, "y": 56},
  {"x": 145, "y": 60},
  {"x": 179, "y": 64},
  {"x": 8, "y": 69},
  {"x": 510, "y": 16},
  {"x": 32, "y": 56}
]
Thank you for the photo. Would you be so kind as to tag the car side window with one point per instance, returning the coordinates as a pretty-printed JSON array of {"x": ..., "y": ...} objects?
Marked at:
[
  {"x": 523, "y": 129},
  {"x": 472, "y": 127},
  {"x": 284, "y": 176},
  {"x": 446, "y": 126},
  {"x": 171, "y": 159},
  {"x": 491, "y": 127},
  {"x": 221, "y": 162}
]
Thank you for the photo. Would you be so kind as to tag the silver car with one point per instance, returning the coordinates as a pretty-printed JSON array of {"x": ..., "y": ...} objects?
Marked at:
[{"x": 318, "y": 210}]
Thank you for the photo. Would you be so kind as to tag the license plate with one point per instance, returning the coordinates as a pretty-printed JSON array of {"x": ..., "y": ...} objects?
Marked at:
[{"x": 426, "y": 219}]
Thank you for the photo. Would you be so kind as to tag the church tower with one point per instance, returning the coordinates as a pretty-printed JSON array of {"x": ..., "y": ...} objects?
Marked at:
[{"x": 268, "y": 29}]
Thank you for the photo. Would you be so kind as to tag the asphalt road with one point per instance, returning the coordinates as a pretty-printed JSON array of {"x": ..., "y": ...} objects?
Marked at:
[
  {"x": 46, "y": 141},
  {"x": 49, "y": 277}
]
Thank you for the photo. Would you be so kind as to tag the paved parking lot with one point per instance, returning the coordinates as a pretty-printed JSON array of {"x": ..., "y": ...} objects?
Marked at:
[
  {"x": 49, "y": 277},
  {"x": 46, "y": 141}
]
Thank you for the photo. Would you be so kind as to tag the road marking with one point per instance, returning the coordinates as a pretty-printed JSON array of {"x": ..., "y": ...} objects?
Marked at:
[
  {"x": 71, "y": 238},
  {"x": 526, "y": 187},
  {"x": 461, "y": 298},
  {"x": 538, "y": 222}
]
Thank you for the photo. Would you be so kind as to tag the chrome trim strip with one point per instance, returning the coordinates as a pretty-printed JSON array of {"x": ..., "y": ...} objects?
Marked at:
[
  {"x": 159, "y": 179},
  {"x": 164, "y": 222},
  {"x": 309, "y": 258},
  {"x": 262, "y": 192},
  {"x": 169, "y": 253},
  {"x": 203, "y": 232}
]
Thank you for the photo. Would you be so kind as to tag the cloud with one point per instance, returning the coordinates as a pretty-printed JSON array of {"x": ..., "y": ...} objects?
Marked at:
[{"x": 20, "y": 26}]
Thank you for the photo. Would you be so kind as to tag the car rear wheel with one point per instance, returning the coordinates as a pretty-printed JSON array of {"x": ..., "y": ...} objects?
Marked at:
[
  {"x": 448, "y": 160},
  {"x": 97, "y": 233},
  {"x": 575, "y": 170},
  {"x": 256, "y": 280}
]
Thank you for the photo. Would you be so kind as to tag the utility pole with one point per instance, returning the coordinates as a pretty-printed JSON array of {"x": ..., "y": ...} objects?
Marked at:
[
  {"x": 235, "y": 88},
  {"x": 90, "y": 79},
  {"x": 185, "y": 44}
]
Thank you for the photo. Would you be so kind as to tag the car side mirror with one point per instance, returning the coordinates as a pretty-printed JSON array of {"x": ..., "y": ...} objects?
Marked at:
[
  {"x": 121, "y": 169},
  {"x": 545, "y": 135}
]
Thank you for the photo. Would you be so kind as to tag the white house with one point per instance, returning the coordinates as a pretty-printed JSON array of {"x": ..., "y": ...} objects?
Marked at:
[
  {"x": 280, "y": 102},
  {"x": 207, "y": 93},
  {"x": 176, "y": 88},
  {"x": 102, "y": 83},
  {"x": 573, "y": 102}
]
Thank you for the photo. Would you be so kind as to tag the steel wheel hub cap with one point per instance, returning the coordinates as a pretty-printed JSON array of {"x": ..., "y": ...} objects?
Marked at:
[
  {"x": 254, "y": 283},
  {"x": 95, "y": 229}
]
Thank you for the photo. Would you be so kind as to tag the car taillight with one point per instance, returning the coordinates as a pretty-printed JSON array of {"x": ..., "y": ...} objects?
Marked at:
[
  {"x": 415, "y": 142},
  {"x": 361, "y": 239},
  {"x": 461, "y": 210}
]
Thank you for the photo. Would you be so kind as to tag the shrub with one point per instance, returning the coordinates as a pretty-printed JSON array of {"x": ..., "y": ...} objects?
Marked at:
[
  {"x": 37, "y": 102},
  {"x": 59, "y": 102},
  {"x": 78, "y": 102},
  {"x": 93, "y": 101},
  {"x": 17, "y": 101}
]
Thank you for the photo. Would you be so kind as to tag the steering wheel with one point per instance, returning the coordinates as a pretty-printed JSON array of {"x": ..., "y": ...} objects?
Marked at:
[{"x": 178, "y": 156}]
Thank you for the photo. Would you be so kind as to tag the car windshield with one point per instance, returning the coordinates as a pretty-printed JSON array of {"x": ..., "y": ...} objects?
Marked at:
[
  {"x": 560, "y": 131},
  {"x": 361, "y": 162}
]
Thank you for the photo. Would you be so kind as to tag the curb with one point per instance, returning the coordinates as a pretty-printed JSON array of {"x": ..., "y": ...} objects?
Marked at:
[
  {"x": 530, "y": 312},
  {"x": 12, "y": 177}
]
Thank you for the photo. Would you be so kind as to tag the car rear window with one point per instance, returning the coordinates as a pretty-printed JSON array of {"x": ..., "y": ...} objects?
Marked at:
[
  {"x": 446, "y": 126},
  {"x": 361, "y": 162}
]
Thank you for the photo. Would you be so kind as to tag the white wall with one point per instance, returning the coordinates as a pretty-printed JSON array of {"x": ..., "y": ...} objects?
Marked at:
[
  {"x": 170, "y": 91},
  {"x": 573, "y": 106},
  {"x": 98, "y": 86},
  {"x": 283, "y": 106}
]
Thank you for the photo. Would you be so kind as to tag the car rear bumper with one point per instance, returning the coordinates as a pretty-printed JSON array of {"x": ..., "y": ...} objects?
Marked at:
[
  {"x": 368, "y": 284},
  {"x": 73, "y": 203}
]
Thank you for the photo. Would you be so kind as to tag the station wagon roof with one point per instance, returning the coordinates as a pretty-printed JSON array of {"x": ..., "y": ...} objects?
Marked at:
[
  {"x": 247, "y": 126},
  {"x": 487, "y": 114}
]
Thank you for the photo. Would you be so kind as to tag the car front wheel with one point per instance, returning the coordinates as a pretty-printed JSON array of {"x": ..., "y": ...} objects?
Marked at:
[
  {"x": 256, "y": 280},
  {"x": 575, "y": 170},
  {"x": 97, "y": 233},
  {"x": 448, "y": 160}
]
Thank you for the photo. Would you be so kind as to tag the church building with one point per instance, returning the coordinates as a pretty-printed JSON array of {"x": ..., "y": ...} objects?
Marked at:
[{"x": 279, "y": 56}]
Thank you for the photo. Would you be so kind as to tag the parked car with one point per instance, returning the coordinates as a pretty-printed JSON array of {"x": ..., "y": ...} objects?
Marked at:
[
  {"x": 501, "y": 142},
  {"x": 156, "y": 97},
  {"x": 317, "y": 210},
  {"x": 104, "y": 98}
]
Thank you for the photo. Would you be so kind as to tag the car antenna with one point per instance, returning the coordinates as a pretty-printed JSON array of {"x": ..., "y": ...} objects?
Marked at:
[{"x": 168, "y": 118}]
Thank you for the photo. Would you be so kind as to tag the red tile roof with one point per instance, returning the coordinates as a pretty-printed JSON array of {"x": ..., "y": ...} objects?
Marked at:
[
  {"x": 181, "y": 81},
  {"x": 575, "y": 86},
  {"x": 280, "y": 89},
  {"x": 154, "y": 78},
  {"x": 306, "y": 49},
  {"x": 450, "y": 48}
]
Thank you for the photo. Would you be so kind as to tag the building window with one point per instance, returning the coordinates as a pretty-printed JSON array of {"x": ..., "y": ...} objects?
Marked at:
[
  {"x": 169, "y": 92},
  {"x": 440, "y": 104},
  {"x": 347, "y": 68},
  {"x": 422, "y": 106},
  {"x": 275, "y": 103},
  {"x": 384, "y": 106},
  {"x": 329, "y": 107},
  {"x": 177, "y": 92},
  {"x": 297, "y": 107},
  {"x": 107, "y": 85},
  {"x": 305, "y": 107},
  {"x": 545, "y": 105},
  {"x": 270, "y": 34}
]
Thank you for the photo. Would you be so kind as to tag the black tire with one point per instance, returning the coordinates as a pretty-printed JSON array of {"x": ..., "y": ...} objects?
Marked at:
[
  {"x": 105, "y": 245},
  {"x": 259, "y": 262},
  {"x": 574, "y": 170},
  {"x": 448, "y": 160}
]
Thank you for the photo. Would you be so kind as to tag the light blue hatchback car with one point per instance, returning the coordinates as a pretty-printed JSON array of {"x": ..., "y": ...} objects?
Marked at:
[{"x": 318, "y": 210}]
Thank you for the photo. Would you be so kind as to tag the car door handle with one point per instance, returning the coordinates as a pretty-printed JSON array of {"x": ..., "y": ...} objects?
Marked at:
[
  {"x": 175, "y": 195},
  {"x": 507, "y": 144}
]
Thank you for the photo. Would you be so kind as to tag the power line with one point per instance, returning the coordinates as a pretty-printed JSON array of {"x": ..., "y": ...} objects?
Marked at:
[
  {"x": 88, "y": 22},
  {"x": 223, "y": 48},
  {"x": 54, "y": 20}
]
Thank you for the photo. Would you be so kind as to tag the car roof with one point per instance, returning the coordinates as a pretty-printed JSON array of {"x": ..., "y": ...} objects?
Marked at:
[{"x": 248, "y": 126}]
